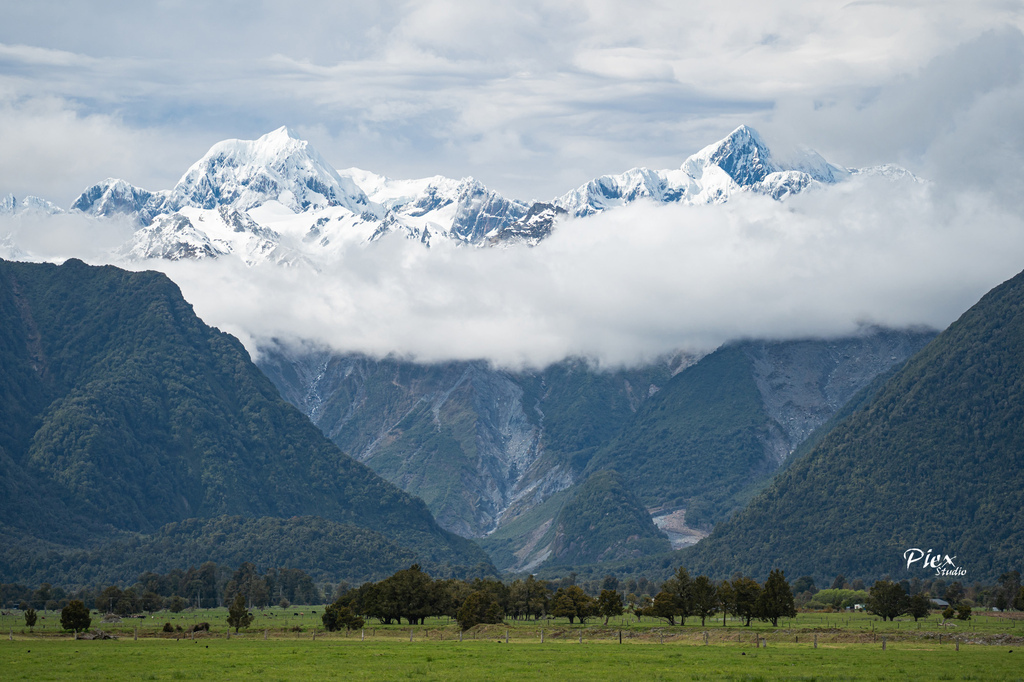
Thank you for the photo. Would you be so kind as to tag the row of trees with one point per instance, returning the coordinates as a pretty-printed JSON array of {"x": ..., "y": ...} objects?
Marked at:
[
  {"x": 889, "y": 600},
  {"x": 208, "y": 585},
  {"x": 741, "y": 597},
  {"x": 1005, "y": 593},
  {"x": 413, "y": 595}
]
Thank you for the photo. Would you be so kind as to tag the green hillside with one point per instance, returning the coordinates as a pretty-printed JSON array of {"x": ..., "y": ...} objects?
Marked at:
[
  {"x": 122, "y": 411},
  {"x": 324, "y": 549},
  {"x": 933, "y": 461},
  {"x": 603, "y": 521},
  {"x": 699, "y": 441}
]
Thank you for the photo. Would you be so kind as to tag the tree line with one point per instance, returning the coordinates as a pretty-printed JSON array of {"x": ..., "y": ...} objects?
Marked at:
[
  {"x": 206, "y": 586},
  {"x": 411, "y": 595}
]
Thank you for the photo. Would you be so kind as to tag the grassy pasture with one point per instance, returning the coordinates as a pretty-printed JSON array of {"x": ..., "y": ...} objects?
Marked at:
[{"x": 849, "y": 648}]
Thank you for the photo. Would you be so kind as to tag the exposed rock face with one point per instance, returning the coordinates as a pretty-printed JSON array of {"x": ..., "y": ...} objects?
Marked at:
[
  {"x": 480, "y": 446},
  {"x": 454, "y": 434},
  {"x": 484, "y": 447},
  {"x": 803, "y": 383}
]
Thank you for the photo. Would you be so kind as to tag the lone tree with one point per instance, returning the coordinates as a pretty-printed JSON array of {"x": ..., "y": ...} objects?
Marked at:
[
  {"x": 704, "y": 597},
  {"x": 30, "y": 617},
  {"x": 744, "y": 598},
  {"x": 888, "y": 600},
  {"x": 609, "y": 603},
  {"x": 664, "y": 606},
  {"x": 776, "y": 599},
  {"x": 238, "y": 615},
  {"x": 75, "y": 616},
  {"x": 675, "y": 598}
]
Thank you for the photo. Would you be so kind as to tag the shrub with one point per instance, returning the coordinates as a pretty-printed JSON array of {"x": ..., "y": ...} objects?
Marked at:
[{"x": 337, "y": 617}]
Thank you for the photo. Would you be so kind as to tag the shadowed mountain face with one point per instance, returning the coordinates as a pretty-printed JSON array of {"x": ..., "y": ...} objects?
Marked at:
[
  {"x": 479, "y": 445},
  {"x": 933, "y": 461},
  {"x": 499, "y": 454},
  {"x": 123, "y": 412}
]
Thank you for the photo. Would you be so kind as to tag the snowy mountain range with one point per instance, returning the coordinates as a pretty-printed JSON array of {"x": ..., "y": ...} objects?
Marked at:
[{"x": 277, "y": 199}]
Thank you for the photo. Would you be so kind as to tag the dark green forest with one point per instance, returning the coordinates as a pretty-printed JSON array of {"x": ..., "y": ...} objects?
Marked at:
[
  {"x": 122, "y": 412},
  {"x": 604, "y": 521},
  {"x": 698, "y": 442}
]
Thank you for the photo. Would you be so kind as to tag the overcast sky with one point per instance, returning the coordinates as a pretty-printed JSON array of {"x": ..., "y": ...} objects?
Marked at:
[{"x": 533, "y": 99}]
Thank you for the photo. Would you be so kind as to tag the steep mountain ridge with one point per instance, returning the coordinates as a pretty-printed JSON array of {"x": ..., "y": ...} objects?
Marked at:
[
  {"x": 122, "y": 412},
  {"x": 931, "y": 461}
]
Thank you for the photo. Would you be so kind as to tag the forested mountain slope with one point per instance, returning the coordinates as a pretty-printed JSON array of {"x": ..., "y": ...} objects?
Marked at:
[
  {"x": 123, "y": 412},
  {"x": 734, "y": 417},
  {"x": 933, "y": 461}
]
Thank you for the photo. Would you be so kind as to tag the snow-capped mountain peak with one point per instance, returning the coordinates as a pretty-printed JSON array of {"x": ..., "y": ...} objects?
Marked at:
[
  {"x": 9, "y": 205},
  {"x": 278, "y": 166},
  {"x": 275, "y": 198},
  {"x": 743, "y": 155},
  {"x": 114, "y": 197},
  {"x": 740, "y": 162}
]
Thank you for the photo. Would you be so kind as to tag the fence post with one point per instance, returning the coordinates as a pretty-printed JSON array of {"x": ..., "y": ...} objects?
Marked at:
[
  {"x": 620, "y": 636},
  {"x": 815, "y": 640},
  {"x": 542, "y": 635},
  {"x": 883, "y": 643}
]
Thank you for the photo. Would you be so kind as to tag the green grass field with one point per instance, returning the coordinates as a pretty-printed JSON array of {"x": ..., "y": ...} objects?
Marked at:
[{"x": 849, "y": 648}]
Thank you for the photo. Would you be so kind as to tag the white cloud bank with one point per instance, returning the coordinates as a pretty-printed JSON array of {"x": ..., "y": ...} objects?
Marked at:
[{"x": 637, "y": 282}]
